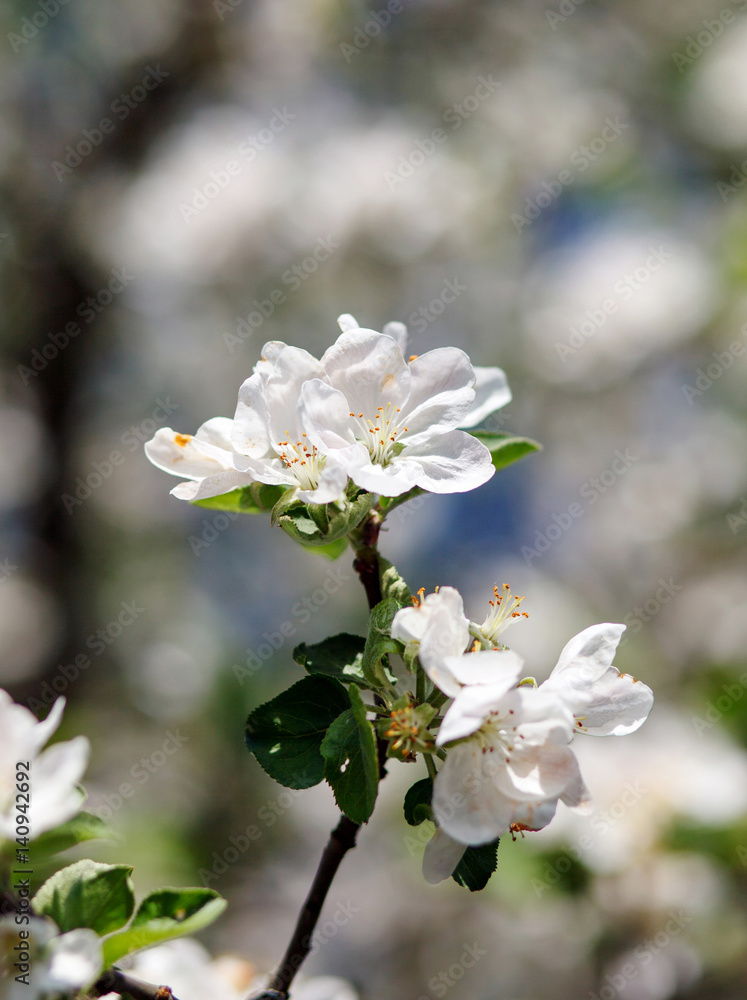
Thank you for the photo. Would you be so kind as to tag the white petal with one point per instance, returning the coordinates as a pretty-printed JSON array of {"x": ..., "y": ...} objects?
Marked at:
[
  {"x": 249, "y": 435},
  {"x": 442, "y": 855},
  {"x": 56, "y": 774},
  {"x": 537, "y": 772},
  {"x": 489, "y": 666},
  {"x": 212, "y": 486},
  {"x": 440, "y": 392},
  {"x": 368, "y": 367},
  {"x": 589, "y": 653},
  {"x": 281, "y": 389},
  {"x": 534, "y": 815},
  {"x": 491, "y": 393},
  {"x": 218, "y": 432},
  {"x": 325, "y": 414},
  {"x": 332, "y": 481},
  {"x": 453, "y": 462},
  {"x": 347, "y": 322},
  {"x": 619, "y": 704},
  {"x": 447, "y": 633},
  {"x": 74, "y": 961},
  {"x": 389, "y": 481},
  {"x": 43, "y": 730},
  {"x": 185, "y": 455},
  {"x": 471, "y": 707},
  {"x": 397, "y": 331},
  {"x": 466, "y": 800}
]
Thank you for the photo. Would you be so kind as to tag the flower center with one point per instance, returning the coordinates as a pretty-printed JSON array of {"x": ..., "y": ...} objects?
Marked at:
[
  {"x": 380, "y": 435},
  {"x": 503, "y": 612},
  {"x": 303, "y": 460},
  {"x": 498, "y": 734}
]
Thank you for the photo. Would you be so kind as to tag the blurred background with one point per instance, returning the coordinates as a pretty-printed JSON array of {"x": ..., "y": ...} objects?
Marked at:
[{"x": 558, "y": 188}]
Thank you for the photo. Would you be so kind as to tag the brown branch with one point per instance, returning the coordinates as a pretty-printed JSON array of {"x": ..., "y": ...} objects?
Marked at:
[
  {"x": 114, "y": 981},
  {"x": 343, "y": 837}
]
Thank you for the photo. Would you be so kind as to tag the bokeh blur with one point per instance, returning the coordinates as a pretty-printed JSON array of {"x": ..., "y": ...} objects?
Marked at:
[{"x": 558, "y": 188}]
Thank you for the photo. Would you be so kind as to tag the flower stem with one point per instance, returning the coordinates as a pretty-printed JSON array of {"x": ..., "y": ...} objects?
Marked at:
[{"x": 114, "y": 981}]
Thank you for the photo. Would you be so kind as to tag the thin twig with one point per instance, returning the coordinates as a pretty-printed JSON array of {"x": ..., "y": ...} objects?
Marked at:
[{"x": 114, "y": 981}]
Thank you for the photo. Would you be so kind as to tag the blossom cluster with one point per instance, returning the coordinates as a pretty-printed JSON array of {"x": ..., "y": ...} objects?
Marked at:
[
  {"x": 363, "y": 412},
  {"x": 508, "y": 761}
]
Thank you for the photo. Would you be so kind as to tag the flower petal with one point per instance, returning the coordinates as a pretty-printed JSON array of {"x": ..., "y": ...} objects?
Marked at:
[
  {"x": 186, "y": 455},
  {"x": 467, "y": 802},
  {"x": 368, "y": 367},
  {"x": 74, "y": 960},
  {"x": 212, "y": 486},
  {"x": 325, "y": 413},
  {"x": 453, "y": 462},
  {"x": 589, "y": 653},
  {"x": 442, "y": 855},
  {"x": 440, "y": 392},
  {"x": 347, "y": 322},
  {"x": 619, "y": 704},
  {"x": 489, "y": 666},
  {"x": 537, "y": 772},
  {"x": 471, "y": 707},
  {"x": 249, "y": 435},
  {"x": 491, "y": 393},
  {"x": 397, "y": 331},
  {"x": 534, "y": 815}
]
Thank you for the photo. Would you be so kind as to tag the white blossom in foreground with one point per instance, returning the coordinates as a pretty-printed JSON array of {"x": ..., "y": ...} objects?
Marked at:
[
  {"x": 188, "y": 968},
  {"x": 60, "y": 963},
  {"x": 510, "y": 762},
  {"x": 405, "y": 415},
  {"x": 54, "y": 773}
]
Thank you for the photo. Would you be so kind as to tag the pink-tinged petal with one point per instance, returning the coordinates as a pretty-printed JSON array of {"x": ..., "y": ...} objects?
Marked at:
[
  {"x": 347, "y": 322},
  {"x": 576, "y": 795},
  {"x": 467, "y": 802},
  {"x": 534, "y": 815},
  {"x": 397, "y": 331},
  {"x": 453, "y": 462},
  {"x": 185, "y": 455},
  {"x": 211, "y": 486},
  {"x": 440, "y": 393},
  {"x": 369, "y": 369},
  {"x": 619, "y": 704},
  {"x": 537, "y": 772},
  {"x": 491, "y": 393},
  {"x": 494, "y": 667},
  {"x": 326, "y": 414},
  {"x": 249, "y": 435},
  {"x": 589, "y": 653},
  {"x": 442, "y": 855}
]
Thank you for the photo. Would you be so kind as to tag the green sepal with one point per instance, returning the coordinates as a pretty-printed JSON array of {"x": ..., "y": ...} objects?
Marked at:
[
  {"x": 393, "y": 585},
  {"x": 417, "y": 804},
  {"x": 316, "y": 524},
  {"x": 476, "y": 866},
  {"x": 285, "y": 734},
  {"x": 257, "y": 498},
  {"x": 163, "y": 915},
  {"x": 340, "y": 656},
  {"x": 388, "y": 504},
  {"x": 82, "y": 827},
  {"x": 379, "y": 644},
  {"x": 352, "y": 766},
  {"x": 332, "y": 550},
  {"x": 505, "y": 449},
  {"x": 87, "y": 894}
]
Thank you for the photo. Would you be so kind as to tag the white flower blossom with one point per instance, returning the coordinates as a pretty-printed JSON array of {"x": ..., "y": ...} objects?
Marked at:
[
  {"x": 54, "y": 773},
  {"x": 60, "y": 963}
]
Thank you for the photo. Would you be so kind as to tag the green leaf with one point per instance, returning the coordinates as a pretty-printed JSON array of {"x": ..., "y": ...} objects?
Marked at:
[
  {"x": 88, "y": 894},
  {"x": 253, "y": 499},
  {"x": 477, "y": 865},
  {"x": 392, "y": 584},
  {"x": 288, "y": 499},
  {"x": 505, "y": 449},
  {"x": 163, "y": 915},
  {"x": 388, "y": 504},
  {"x": 417, "y": 803},
  {"x": 339, "y": 656},
  {"x": 285, "y": 734},
  {"x": 379, "y": 643},
  {"x": 352, "y": 766},
  {"x": 332, "y": 550},
  {"x": 84, "y": 826}
]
